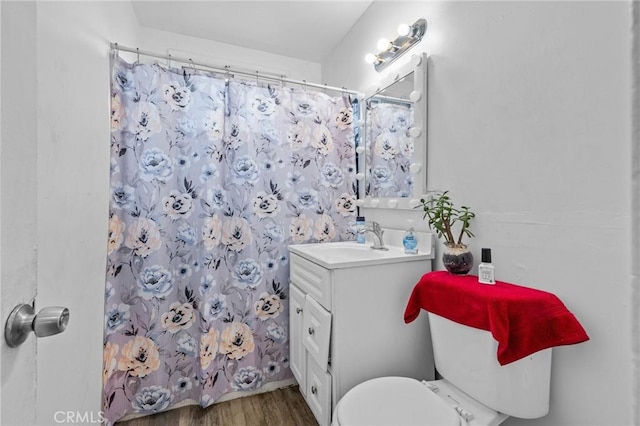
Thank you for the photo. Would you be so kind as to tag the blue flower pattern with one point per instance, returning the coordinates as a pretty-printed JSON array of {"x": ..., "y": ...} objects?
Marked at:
[
  {"x": 210, "y": 182},
  {"x": 390, "y": 150}
]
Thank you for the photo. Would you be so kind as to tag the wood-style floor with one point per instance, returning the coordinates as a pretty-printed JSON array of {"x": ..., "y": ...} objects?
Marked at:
[{"x": 282, "y": 407}]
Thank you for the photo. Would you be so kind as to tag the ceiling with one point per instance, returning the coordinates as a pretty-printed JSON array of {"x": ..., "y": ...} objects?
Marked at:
[{"x": 302, "y": 29}]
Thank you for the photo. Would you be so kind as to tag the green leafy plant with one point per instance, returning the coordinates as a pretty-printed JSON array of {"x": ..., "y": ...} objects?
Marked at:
[{"x": 442, "y": 215}]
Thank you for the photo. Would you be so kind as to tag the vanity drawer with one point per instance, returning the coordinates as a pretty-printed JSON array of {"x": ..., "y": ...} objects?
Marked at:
[
  {"x": 312, "y": 279},
  {"x": 318, "y": 392},
  {"x": 316, "y": 329}
]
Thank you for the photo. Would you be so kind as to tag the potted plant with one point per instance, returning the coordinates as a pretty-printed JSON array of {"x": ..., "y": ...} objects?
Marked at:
[{"x": 443, "y": 216}]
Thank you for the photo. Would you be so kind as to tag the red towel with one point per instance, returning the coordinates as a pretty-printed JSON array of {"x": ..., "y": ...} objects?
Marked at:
[{"x": 523, "y": 320}]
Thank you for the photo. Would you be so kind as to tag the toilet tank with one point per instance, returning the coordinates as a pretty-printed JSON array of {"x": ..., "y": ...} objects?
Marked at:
[{"x": 466, "y": 357}]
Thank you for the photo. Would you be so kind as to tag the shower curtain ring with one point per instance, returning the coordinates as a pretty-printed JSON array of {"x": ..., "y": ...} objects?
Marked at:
[
  {"x": 304, "y": 86},
  {"x": 138, "y": 53},
  {"x": 256, "y": 77},
  {"x": 193, "y": 66}
]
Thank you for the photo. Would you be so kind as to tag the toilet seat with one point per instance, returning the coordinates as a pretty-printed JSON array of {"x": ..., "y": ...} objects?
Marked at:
[{"x": 394, "y": 401}]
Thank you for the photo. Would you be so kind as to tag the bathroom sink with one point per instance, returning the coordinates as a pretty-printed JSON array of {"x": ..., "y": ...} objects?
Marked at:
[{"x": 348, "y": 254}]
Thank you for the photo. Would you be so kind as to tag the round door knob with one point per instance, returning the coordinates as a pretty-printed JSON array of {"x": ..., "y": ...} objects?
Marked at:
[
  {"x": 311, "y": 330},
  {"x": 298, "y": 310},
  {"x": 314, "y": 390},
  {"x": 19, "y": 325},
  {"x": 23, "y": 320}
]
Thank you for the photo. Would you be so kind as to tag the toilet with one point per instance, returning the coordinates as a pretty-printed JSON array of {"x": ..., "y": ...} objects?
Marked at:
[{"x": 474, "y": 390}]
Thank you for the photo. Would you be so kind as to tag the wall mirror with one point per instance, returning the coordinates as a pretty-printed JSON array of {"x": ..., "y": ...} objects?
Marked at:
[{"x": 393, "y": 154}]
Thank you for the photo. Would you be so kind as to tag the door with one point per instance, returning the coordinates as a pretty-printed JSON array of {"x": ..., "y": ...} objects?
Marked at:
[
  {"x": 54, "y": 177},
  {"x": 316, "y": 329},
  {"x": 73, "y": 199},
  {"x": 18, "y": 202},
  {"x": 297, "y": 351}
]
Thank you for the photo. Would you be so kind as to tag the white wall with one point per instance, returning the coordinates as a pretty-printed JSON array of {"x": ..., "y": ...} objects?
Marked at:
[
  {"x": 221, "y": 54},
  {"x": 635, "y": 199},
  {"x": 2, "y": 311},
  {"x": 530, "y": 125}
]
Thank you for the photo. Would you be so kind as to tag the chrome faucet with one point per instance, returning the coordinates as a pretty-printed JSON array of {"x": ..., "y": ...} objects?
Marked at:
[{"x": 376, "y": 230}]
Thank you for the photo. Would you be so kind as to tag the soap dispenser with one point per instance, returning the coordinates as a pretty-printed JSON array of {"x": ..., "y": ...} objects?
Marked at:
[
  {"x": 360, "y": 226},
  {"x": 410, "y": 240}
]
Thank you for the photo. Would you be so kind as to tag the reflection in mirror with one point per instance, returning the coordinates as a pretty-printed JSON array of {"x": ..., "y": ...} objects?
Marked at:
[
  {"x": 394, "y": 152},
  {"x": 389, "y": 153}
]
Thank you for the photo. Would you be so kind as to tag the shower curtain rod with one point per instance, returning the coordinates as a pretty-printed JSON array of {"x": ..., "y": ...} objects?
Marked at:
[{"x": 226, "y": 69}]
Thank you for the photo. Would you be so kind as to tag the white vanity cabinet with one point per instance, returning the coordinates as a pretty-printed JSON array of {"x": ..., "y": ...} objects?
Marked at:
[{"x": 346, "y": 324}]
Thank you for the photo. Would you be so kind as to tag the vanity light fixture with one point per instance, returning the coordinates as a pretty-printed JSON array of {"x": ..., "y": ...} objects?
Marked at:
[{"x": 408, "y": 36}]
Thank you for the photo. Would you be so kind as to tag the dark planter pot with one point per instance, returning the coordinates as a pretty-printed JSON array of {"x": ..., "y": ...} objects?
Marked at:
[{"x": 457, "y": 259}]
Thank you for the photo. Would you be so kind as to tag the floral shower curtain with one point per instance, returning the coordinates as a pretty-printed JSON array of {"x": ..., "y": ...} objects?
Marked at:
[{"x": 211, "y": 179}]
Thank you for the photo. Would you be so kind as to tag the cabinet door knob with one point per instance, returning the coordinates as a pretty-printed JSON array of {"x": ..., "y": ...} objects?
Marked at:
[
  {"x": 314, "y": 390},
  {"x": 298, "y": 310},
  {"x": 311, "y": 330}
]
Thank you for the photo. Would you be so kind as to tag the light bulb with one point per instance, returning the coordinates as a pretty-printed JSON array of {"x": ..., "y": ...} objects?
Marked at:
[
  {"x": 415, "y": 95},
  {"x": 370, "y": 58},
  {"x": 384, "y": 44},
  {"x": 404, "y": 30}
]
